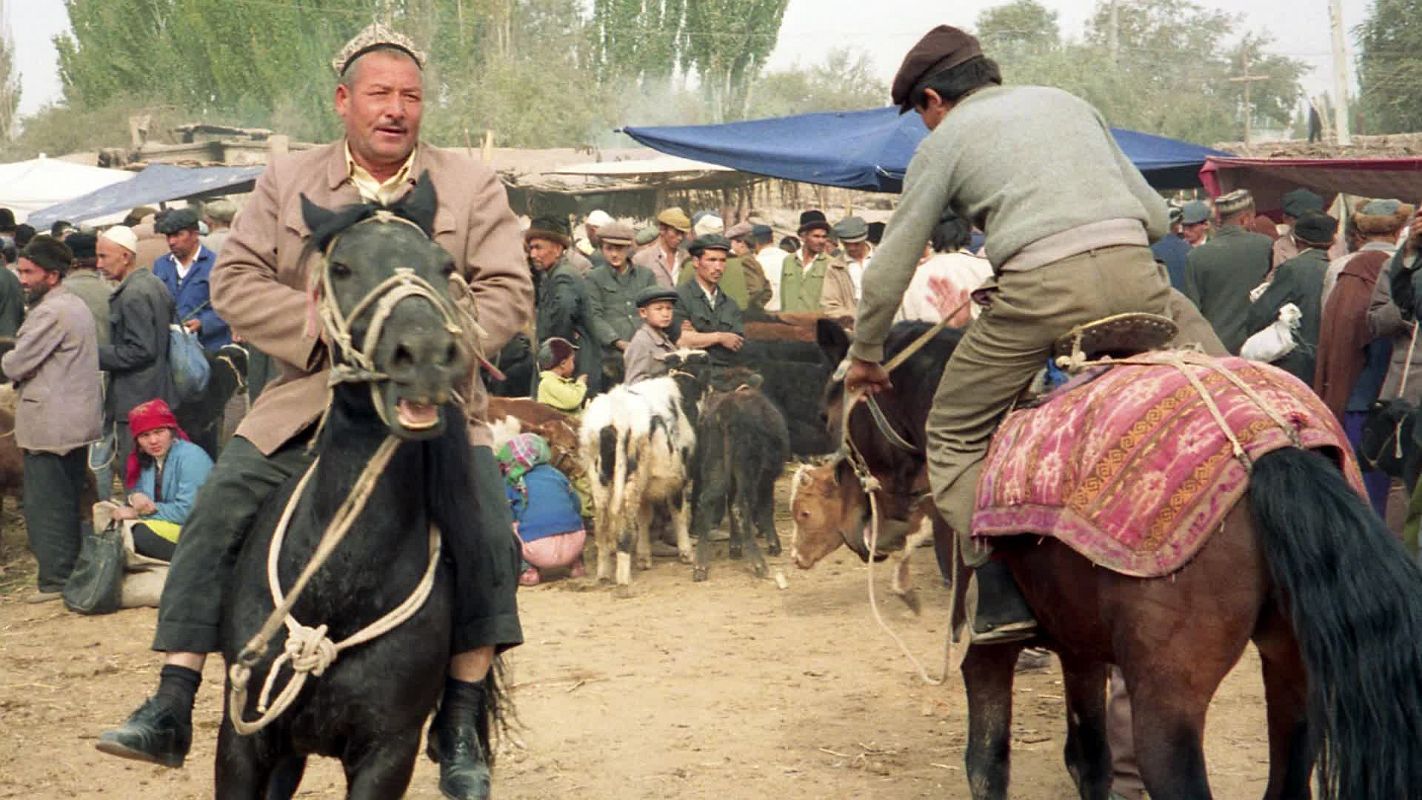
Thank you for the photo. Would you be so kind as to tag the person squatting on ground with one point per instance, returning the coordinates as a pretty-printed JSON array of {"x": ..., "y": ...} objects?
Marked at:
[
  {"x": 55, "y": 364},
  {"x": 1058, "y": 262},
  {"x": 162, "y": 476},
  {"x": 259, "y": 287},
  {"x": 546, "y": 510}
]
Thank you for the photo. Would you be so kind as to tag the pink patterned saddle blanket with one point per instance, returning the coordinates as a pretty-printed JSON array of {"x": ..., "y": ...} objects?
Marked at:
[{"x": 1132, "y": 470}]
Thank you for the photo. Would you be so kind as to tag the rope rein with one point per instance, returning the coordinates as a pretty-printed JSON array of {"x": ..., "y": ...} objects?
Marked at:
[
  {"x": 1402, "y": 390},
  {"x": 308, "y": 650}
]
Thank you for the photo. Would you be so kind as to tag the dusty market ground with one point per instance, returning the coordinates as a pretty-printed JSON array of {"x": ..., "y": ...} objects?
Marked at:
[{"x": 724, "y": 690}]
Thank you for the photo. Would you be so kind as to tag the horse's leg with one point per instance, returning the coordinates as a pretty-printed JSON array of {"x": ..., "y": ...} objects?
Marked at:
[
  {"x": 382, "y": 770},
  {"x": 987, "y": 676},
  {"x": 242, "y": 772},
  {"x": 286, "y": 778},
  {"x": 1088, "y": 755},
  {"x": 1291, "y": 757}
]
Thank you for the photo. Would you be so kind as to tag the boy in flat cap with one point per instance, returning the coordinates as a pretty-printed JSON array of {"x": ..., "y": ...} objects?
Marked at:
[
  {"x": 999, "y": 155},
  {"x": 259, "y": 286},
  {"x": 706, "y": 317},
  {"x": 656, "y": 305}
]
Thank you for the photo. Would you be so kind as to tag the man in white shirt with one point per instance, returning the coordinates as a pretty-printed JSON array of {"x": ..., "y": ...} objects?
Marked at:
[
  {"x": 853, "y": 233},
  {"x": 950, "y": 261},
  {"x": 771, "y": 260}
]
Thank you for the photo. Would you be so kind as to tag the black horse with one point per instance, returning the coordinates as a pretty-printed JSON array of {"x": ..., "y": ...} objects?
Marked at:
[{"x": 369, "y": 708}]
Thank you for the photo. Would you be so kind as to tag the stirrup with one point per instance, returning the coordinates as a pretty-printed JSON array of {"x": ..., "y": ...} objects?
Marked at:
[{"x": 1116, "y": 336}]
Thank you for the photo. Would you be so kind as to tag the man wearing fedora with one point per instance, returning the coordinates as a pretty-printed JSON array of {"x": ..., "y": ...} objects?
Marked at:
[
  {"x": 562, "y": 307},
  {"x": 804, "y": 273},
  {"x": 1220, "y": 273},
  {"x": 999, "y": 155},
  {"x": 663, "y": 258}
]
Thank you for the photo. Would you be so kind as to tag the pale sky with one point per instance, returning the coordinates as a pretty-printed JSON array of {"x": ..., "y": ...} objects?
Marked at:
[{"x": 810, "y": 28}]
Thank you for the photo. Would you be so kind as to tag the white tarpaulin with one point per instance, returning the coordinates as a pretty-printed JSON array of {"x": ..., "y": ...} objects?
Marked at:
[{"x": 27, "y": 186}]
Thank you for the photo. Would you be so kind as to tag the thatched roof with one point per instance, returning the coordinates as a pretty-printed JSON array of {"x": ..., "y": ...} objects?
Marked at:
[{"x": 1397, "y": 145}]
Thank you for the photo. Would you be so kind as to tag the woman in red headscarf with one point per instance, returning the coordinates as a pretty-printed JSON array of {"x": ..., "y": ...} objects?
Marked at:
[{"x": 162, "y": 477}]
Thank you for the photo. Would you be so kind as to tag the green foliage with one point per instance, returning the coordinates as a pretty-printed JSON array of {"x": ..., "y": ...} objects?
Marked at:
[
  {"x": 1171, "y": 70},
  {"x": 727, "y": 42},
  {"x": 1389, "y": 64},
  {"x": 9, "y": 89},
  {"x": 844, "y": 82}
]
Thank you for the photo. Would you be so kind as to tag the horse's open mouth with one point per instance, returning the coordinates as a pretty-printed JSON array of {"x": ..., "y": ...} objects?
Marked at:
[{"x": 416, "y": 416}]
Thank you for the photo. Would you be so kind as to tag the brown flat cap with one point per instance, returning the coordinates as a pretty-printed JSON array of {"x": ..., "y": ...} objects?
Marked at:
[{"x": 942, "y": 48}]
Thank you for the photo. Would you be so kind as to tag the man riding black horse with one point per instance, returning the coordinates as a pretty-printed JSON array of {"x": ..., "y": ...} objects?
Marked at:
[
  {"x": 259, "y": 288},
  {"x": 1004, "y": 157}
]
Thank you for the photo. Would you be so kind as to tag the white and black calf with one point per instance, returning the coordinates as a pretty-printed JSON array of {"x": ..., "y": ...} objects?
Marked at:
[{"x": 637, "y": 443}]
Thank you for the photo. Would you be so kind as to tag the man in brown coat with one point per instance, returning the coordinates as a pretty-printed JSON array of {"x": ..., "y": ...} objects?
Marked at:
[
  {"x": 258, "y": 286},
  {"x": 55, "y": 363}
]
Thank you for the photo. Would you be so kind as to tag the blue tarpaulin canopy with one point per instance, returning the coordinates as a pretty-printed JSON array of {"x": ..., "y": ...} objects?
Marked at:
[
  {"x": 871, "y": 149},
  {"x": 159, "y": 183}
]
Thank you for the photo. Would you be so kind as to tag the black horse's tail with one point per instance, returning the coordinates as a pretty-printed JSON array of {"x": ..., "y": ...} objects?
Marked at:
[{"x": 1351, "y": 592}]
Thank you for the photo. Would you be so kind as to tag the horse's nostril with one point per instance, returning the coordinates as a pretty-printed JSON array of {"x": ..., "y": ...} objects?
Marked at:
[
  {"x": 403, "y": 357},
  {"x": 451, "y": 353}
]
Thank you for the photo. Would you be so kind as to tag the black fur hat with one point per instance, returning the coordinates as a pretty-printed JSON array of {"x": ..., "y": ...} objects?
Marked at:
[{"x": 49, "y": 254}]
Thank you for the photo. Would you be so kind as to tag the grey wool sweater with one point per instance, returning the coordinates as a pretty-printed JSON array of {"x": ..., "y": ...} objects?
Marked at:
[{"x": 1021, "y": 162}]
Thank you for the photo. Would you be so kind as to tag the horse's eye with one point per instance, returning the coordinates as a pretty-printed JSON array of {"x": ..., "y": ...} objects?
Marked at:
[
  {"x": 340, "y": 270},
  {"x": 448, "y": 269}
]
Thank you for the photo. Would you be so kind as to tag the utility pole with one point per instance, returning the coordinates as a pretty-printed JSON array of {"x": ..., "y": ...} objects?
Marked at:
[
  {"x": 1340, "y": 73},
  {"x": 1247, "y": 80}
]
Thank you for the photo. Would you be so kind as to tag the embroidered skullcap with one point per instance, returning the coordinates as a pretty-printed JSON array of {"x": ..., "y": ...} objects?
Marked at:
[
  {"x": 375, "y": 35},
  {"x": 1234, "y": 202}
]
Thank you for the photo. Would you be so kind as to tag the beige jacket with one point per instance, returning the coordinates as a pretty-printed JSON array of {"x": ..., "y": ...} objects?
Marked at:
[
  {"x": 56, "y": 365},
  {"x": 259, "y": 281},
  {"x": 837, "y": 294}
]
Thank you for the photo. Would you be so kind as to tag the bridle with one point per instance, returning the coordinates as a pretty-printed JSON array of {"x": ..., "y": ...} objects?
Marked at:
[{"x": 352, "y": 363}]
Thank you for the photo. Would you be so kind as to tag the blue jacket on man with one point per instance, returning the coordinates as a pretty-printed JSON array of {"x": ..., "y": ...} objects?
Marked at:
[{"x": 193, "y": 296}]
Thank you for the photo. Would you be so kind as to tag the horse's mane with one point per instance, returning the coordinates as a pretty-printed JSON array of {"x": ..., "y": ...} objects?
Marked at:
[{"x": 930, "y": 358}]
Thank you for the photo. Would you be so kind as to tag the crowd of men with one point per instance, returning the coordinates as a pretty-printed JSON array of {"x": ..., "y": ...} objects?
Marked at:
[{"x": 85, "y": 317}]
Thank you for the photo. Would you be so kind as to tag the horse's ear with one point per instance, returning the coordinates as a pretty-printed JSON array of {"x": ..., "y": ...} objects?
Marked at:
[
  {"x": 315, "y": 217},
  {"x": 755, "y": 380},
  {"x": 834, "y": 342},
  {"x": 419, "y": 205}
]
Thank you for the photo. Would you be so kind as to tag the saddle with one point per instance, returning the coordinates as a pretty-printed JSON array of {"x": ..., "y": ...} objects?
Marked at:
[{"x": 1117, "y": 336}]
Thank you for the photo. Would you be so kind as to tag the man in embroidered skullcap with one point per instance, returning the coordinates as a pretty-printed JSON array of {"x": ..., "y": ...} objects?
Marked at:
[
  {"x": 259, "y": 286},
  {"x": 1220, "y": 273}
]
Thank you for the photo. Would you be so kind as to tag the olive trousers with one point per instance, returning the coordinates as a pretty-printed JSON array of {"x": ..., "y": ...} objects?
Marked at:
[{"x": 1004, "y": 349}]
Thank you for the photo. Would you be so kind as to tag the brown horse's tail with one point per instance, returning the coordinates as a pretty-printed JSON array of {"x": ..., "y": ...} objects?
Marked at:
[{"x": 1352, "y": 595}]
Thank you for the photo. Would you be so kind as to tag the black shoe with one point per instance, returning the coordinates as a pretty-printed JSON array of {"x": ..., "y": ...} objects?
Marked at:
[
  {"x": 157, "y": 733},
  {"x": 463, "y": 768},
  {"x": 1001, "y": 614}
]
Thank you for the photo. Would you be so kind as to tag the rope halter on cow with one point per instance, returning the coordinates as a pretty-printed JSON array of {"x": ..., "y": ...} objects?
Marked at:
[{"x": 308, "y": 650}]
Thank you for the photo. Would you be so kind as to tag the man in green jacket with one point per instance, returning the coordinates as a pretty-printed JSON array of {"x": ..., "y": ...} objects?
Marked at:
[
  {"x": 562, "y": 307},
  {"x": 1220, "y": 273},
  {"x": 802, "y": 275},
  {"x": 1299, "y": 281},
  {"x": 613, "y": 288},
  {"x": 1000, "y": 155}
]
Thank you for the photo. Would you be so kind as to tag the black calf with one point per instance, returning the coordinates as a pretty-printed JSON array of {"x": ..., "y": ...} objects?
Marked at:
[{"x": 741, "y": 448}]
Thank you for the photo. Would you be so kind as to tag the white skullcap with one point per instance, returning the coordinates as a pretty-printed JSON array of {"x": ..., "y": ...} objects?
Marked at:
[
  {"x": 709, "y": 224},
  {"x": 599, "y": 218},
  {"x": 123, "y": 236}
]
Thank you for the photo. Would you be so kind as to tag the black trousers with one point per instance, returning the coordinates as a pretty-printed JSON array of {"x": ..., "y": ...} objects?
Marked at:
[
  {"x": 241, "y": 481},
  {"x": 54, "y": 503}
]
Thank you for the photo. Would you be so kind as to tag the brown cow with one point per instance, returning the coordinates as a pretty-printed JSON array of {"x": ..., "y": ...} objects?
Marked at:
[
  {"x": 558, "y": 429},
  {"x": 829, "y": 510}
]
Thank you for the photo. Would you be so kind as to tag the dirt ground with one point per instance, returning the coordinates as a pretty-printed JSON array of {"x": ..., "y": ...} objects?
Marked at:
[{"x": 722, "y": 690}]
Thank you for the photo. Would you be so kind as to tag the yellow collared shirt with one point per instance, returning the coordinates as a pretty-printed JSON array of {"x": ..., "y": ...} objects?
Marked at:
[{"x": 373, "y": 190}]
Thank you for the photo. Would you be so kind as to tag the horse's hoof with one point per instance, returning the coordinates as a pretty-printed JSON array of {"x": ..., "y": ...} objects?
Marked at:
[
  {"x": 910, "y": 599},
  {"x": 698, "y": 574},
  {"x": 773, "y": 548}
]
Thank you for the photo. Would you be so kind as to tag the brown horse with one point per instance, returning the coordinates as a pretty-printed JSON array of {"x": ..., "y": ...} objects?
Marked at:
[{"x": 1301, "y": 566}]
